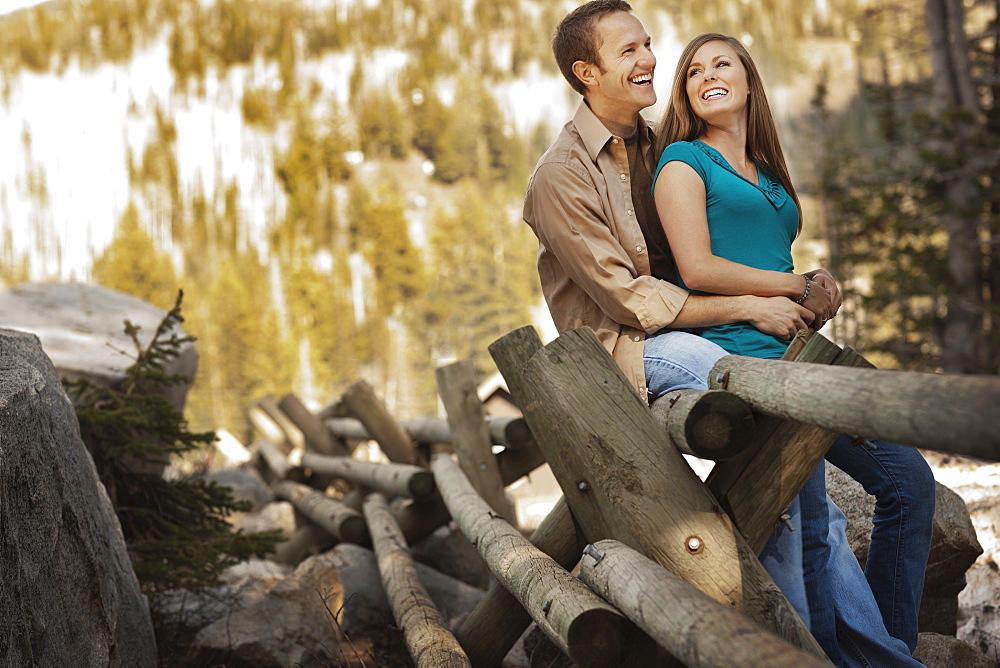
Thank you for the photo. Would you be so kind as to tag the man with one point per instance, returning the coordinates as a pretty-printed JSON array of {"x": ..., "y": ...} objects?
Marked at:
[{"x": 589, "y": 204}]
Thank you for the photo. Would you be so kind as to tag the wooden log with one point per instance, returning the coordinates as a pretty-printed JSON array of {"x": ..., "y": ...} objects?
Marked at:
[
  {"x": 391, "y": 479},
  {"x": 276, "y": 465},
  {"x": 293, "y": 436},
  {"x": 757, "y": 485},
  {"x": 308, "y": 539},
  {"x": 489, "y": 632},
  {"x": 583, "y": 626},
  {"x": 705, "y": 423},
  {"x": 419, "y": 519},
  {"x": 950, "y": 413},
  {"x": 343, "y": 523},
  {"x": 515, "y": 464},
  {"x": 510, "y": 432},
  {"x": 696, "y": 629},
  {"x": 317, "y": 438},
  {"x": 425, "y": 633},
  {"x": 269, "y": 429},
  {"x": 470, "y": 435},
  {"x": 360, "y": 398},
  {"x": 623, "y": 480}
]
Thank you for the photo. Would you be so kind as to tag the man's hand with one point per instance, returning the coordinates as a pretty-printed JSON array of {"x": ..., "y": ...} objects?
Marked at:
[
  {"x": 779, "y": 316},
  {"x": 823, "y": 308}
]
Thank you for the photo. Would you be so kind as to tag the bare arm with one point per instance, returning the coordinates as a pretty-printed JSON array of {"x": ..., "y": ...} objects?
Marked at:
[{"x": 680, "y": 201}]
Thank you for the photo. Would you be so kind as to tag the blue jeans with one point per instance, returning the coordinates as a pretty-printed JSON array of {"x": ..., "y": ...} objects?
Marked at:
[{"x": 842, "y": 608}]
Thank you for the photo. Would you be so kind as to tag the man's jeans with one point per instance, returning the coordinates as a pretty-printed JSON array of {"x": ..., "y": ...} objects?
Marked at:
[{"x": 841, "y": 607}]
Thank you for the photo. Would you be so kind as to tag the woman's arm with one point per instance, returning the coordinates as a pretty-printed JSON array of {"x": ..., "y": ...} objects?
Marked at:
[{"x": 680, "y": 203}]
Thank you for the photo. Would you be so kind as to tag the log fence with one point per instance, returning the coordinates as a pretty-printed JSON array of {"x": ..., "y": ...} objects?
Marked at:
[{"x": 665, "y": 565}]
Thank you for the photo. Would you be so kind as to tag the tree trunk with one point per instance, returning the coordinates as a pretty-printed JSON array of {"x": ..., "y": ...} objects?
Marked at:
[
  {"x": 708, "y": 424},
  {"x": 391, "y": 479},
  {"x": 583, "y": 626},
  {"x": 470, "y": 435},
  {"x": 340, "y": 521},
  {"x": 622, "y": 479},
  {"x": 696, "y": 629},
  {"x": 360, "y": 398},
  {"x": 498, "y": 620},
  {"x": 427, "y": 638},
  {"x": 951, "y": 413}
]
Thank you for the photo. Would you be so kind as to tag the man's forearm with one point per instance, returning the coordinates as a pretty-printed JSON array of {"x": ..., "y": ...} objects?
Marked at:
[{"x": 704, "y": 311}]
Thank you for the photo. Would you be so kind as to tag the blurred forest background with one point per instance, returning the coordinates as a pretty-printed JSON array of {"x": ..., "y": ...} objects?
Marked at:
[{"x": 336, "y": 184}]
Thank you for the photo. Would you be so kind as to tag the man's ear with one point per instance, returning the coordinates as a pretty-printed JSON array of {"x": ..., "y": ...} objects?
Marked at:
[{"x": 585, "y": 72}]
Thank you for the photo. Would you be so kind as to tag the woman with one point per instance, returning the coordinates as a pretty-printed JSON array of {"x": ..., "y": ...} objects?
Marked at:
[{"x": 730, "y": 214}]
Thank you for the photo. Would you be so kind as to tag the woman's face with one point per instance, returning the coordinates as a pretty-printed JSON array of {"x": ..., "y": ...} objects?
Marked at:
[{"x": 716, "y": 84}]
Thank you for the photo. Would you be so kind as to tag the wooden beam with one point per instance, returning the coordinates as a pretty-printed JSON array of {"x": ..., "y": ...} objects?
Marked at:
[
  {"x": 510, "y": 432},
  {"x": 342, "y": 522},
  {"x": 950, "y": 413},
  {"x": 317, "y": 438},
  {"x": 695, "y": 629},
  {"x": 391, "y": 479},
  {"x": 756, "y": 486},
  {"x": 709, "y": 424},
  {"x": 498, "y": 620},
  {"x": 425, "y": 633},
  {"x": 580, "y": 623},
  {"x": 470, "y": 435},
  {"x": 623, "y": 479},
  {"x": 363, "y": 403},
  {"x": 293, "y": 437}
]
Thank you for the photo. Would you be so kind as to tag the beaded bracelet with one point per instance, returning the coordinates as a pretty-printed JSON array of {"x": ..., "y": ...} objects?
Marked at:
[{"x": 805, "y": 293}]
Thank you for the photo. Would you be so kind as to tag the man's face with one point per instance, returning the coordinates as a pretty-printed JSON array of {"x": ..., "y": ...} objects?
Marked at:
[{"x": 625, "y": 77}]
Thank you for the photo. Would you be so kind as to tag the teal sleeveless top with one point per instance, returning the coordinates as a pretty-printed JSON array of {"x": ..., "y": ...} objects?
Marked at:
[{"x": 748, "y": 223}]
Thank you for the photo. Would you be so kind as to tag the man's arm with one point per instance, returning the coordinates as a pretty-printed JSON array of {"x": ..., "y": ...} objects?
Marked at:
[{"x": 777, "y": 316}]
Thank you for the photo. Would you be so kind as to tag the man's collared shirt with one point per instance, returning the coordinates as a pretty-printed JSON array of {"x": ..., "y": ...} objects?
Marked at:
[{"x": 593, "y": 262}]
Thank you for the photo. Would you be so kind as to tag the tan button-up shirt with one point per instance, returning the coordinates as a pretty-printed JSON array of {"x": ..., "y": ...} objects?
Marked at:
[{"x": 592, "y": 257}]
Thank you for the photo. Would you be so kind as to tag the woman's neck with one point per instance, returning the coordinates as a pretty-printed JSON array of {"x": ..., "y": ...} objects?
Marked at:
[{"x": 732, "y": 144}]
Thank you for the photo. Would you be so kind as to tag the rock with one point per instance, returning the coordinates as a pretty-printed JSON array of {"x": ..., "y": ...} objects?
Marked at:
[
  {"x": 365, "y": 604},
  {"x": 449, "y": 551},
  {"x": 291, "y": 625},
  {"x": 954, "y": 546},
  {"x": 246, "y": 485},
  {"x": 943, "y": 651},
  {"x": 68, "y": 595},
  {"x": 82, "y": 330}
]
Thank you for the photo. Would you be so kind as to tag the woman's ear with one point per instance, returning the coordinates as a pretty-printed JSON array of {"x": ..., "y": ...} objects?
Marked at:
[{"x": 585, "y": 72}]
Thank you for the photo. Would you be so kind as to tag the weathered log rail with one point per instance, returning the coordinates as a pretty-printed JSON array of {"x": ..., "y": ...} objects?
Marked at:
[{"x": 670, "y": 572}]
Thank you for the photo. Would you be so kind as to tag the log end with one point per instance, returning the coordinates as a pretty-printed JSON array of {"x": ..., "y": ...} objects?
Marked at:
[
  {"x": 719, "y": 426},
  {"x": 599, "y": 637},
  {"x": 354, "y": 530},
  {"x": 421, "y": 486}
]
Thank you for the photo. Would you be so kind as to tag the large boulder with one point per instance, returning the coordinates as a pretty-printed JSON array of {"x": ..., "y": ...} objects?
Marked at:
[
  {"x": 954, "y": 546},
  {"x": 68, "y": 595},
  {"x": 82, "y": 330}
]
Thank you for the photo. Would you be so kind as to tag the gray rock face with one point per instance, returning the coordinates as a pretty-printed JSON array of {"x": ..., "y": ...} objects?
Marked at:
[
  {"x": 81, "y": 328},
  {"x": 68, "y": 595}
]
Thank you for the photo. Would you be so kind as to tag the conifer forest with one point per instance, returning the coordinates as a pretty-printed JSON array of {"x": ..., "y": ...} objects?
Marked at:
[{"x": 336, "y": 185}]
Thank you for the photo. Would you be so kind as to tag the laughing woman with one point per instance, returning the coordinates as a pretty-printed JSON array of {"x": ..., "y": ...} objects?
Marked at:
[{"x": 730, "y": 214}]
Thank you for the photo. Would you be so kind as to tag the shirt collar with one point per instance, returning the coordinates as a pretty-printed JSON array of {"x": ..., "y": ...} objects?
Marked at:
[{"x": 593, "y": 133}]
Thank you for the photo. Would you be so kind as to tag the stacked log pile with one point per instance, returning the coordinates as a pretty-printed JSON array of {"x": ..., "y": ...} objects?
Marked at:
[{"x": 640, "y": 562}]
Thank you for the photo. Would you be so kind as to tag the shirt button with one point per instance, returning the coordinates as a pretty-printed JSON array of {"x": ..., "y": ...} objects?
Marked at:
[
  {"x": 624, "y": 177},
  {"x": 630, "y": 212},
  {"x": 638, "y": 248},
  {"x": 615, "y": 140},
  {"x": 635, "y": 338}
]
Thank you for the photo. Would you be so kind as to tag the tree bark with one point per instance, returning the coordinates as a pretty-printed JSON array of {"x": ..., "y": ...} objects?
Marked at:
[
  {"x": 498, "y": 620},
  {"x": 391, "y": 479},
  {"x": 622, "y": 479},
  {"x": 703, "y": 423},
  {"x": 471, "y": 436},
  {"x": 343, "y": 523},
  {"x": 367, "y": 407},
  {"x": 696, "y": 629},
  {"x": 583, "y": 626},
  {"x": 946, "y": 412},
  {"x": 425, "y": 633}
]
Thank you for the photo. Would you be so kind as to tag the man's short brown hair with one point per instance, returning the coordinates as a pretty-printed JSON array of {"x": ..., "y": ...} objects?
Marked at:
[{"x": 576, "y": 39}]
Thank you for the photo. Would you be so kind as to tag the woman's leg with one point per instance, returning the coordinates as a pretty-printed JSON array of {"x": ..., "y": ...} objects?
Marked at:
[
  {"x": 676, "y": 360},
  {"x": 903, "y": 486}
]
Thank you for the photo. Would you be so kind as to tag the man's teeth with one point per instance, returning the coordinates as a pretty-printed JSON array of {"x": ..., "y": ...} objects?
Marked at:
[{"x": 642, "y": 78}]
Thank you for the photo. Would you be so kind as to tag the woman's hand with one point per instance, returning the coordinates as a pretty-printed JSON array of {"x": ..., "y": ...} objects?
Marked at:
[{"x": 825, "y": 285}]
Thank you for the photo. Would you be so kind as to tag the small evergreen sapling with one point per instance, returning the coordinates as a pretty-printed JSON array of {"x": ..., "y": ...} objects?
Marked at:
[{"x": 176, "y": 530}]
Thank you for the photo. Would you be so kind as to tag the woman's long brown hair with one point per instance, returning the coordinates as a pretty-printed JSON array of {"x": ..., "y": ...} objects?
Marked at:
[{"x": 679, "y": 122}]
